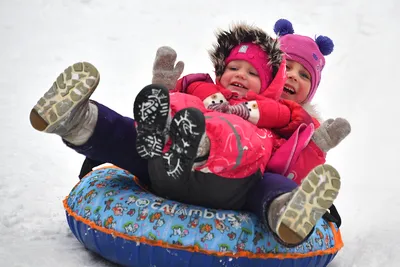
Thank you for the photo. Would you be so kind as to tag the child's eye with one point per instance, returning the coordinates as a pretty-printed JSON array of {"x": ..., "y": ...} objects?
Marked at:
[
  {"x": 304, "y": 75},
  {"x": 253, "y": 73},
  {"x": 233, "y": 68},
  {"x": 287, "y": 67}
]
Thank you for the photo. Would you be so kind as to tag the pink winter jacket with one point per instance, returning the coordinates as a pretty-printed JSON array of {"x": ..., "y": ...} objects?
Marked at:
[
  {"x": 238, "y": 149},
  {"x": 293, "y": 157},
  {"x": 297, "y": 156}
]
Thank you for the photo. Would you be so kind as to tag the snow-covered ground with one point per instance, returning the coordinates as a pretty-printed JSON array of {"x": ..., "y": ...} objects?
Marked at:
[{"x": 40, "y": 38}]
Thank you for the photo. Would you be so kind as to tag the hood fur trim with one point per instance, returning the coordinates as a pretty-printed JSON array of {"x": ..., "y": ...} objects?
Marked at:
[
  {"x": 312, "y": 109},
  {"x": 243, "y": 33}
]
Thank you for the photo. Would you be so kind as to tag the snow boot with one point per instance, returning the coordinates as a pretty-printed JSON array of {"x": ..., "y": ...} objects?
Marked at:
[
  {"x": 292, "y": 216},
  {"x": 187, "y": 131},
  {"x": 151, "y": 111},
  {"x": 65, "y": 109}
]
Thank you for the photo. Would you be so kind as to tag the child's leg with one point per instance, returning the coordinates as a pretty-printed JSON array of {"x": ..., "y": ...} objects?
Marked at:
[
  {"x": 151, "y": 112},
  {"x": 89, "y": 128},
  {"x": 187, "y": 131},
  {"x": 299, "y": 211},
  {"x": 290, "y": 211},
  {"x": 171, "y": 175},
  {"x": 114, "y": 141},
  {"x": 64, "y": 109},
  {"x": 237, "y": 148},
  {"x": 265, "y": 191}
]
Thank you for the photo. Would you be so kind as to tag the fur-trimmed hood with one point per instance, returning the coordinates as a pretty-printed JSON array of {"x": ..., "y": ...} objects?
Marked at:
[
  {"x": 243, "y": 33},
  {"x": 312, "y": 109}
]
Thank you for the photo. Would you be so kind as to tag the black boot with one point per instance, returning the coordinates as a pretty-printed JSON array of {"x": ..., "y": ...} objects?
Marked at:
[
  {"x": 151, "y": 112},
  {"x": 186, "y": 131}
]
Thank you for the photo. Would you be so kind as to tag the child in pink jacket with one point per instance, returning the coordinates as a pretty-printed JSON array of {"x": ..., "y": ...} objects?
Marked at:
[{"x": 305, "y": 62}]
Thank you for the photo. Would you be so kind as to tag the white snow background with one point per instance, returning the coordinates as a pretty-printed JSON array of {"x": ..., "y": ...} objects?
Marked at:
[{"x": 40, "y": 38}]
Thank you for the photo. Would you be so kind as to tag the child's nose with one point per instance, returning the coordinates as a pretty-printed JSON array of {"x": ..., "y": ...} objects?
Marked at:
[
  {"x": 241, "y": 74},
  {"x": 291, "y": 75}
]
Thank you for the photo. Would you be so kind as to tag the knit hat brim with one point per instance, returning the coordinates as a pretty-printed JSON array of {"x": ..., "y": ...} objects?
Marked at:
[{"x": 242, "y": 33}]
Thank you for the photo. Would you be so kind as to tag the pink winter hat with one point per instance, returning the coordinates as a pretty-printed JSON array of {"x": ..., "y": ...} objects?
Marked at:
[
  {"x": 257, "y": 57},
  {"x": 304, "y": 50}
]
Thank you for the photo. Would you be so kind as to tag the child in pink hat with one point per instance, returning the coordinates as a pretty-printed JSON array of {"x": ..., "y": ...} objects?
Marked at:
[
  {"x": 305, "y": 56},
  {"x": 304, "y": 64}
]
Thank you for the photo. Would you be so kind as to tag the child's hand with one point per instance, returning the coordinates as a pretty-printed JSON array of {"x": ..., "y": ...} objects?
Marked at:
[
  {"x": 331, "y": 133},
  {"x": 165, "y": 72},
  {"x": 298, "y": 116}
]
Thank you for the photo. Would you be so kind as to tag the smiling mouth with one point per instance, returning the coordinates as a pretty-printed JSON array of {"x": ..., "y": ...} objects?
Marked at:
[
  {"x": 289, "y": 90},
  {"x": 238, "y": 85}
]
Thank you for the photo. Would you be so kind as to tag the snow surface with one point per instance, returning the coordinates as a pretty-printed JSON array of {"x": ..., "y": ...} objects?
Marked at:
[{"x": 40, "y": 38}]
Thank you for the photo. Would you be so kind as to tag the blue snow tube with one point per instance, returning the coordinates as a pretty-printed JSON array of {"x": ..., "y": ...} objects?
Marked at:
[{"x": 111, "y": 215}]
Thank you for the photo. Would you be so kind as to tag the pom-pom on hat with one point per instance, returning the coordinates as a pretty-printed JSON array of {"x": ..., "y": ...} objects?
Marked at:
[{"x": 304, "y": 50}]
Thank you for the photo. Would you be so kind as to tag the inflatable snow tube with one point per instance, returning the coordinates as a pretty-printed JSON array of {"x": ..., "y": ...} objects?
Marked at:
[{"x": 111, "y": 215}]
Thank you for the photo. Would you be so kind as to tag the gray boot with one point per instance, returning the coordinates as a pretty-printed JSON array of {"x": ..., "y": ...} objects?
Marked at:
[
  {"x": 292, "y": 216},
  {"x": 65, "y": 109}
]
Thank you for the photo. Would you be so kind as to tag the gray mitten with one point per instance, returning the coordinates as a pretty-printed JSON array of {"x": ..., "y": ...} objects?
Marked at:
[
  {"x": 165, "y": 71},
  {"x": 331, "y": 133}
]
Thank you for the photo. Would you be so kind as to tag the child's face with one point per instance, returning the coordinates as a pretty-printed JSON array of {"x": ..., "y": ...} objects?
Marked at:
[
  {"x": 298, "y": 83},
  {"x": 240, "y": 76}
]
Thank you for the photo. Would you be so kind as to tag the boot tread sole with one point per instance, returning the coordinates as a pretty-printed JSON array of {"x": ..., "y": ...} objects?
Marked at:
[
  {"x": 73, "y": 86},
  {"x": 151, "y": 111},
  {"x": 186, "y": 131},
  {"x": 309, "y": 203}
]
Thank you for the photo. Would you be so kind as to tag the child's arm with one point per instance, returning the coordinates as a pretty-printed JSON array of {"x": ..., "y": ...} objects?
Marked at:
[
  {"x": 266, "y": 113},
  {"x": 295, "y": 157},
  {"x": 186, "y": 81},
  {"x": 331, "y": 133},
  {"x": 307, "y": 148},
  {"x": 310, "y": 157},
  {"x": 202, "y": 86},
  {"x": 298, "y": 116},
  {"x": 165, "y": 71},
  {"x": 282, "y": 116},
  {"x": 210, "y": 93}
]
